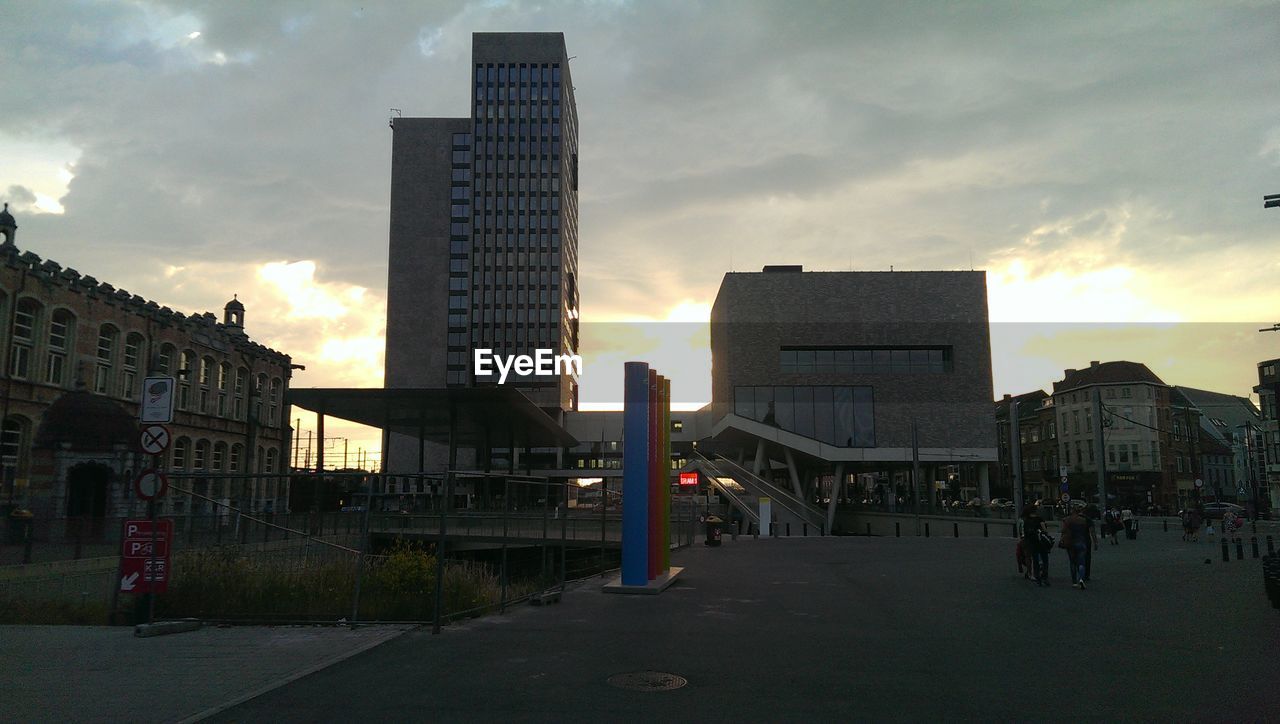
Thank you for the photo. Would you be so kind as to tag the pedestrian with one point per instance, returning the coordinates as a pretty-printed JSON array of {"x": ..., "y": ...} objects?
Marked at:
[
  {"x": 1111, "y": 526},
  {"x": 1034, "y": 533},
  {"x": 1130, "y": 523},
  {"x": 1197, "y": 518},
  {"x": 1185, "y": 515},
  {"x": 1078, "y": 539},
  {"x": 1228, "y": 524}
]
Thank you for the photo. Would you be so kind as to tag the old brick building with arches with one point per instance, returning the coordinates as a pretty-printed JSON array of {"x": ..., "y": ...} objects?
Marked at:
[{"x": 76, "y": 352}]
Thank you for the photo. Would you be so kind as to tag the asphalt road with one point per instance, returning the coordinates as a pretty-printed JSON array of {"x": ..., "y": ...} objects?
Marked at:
[{"x": 811, "y": 629}]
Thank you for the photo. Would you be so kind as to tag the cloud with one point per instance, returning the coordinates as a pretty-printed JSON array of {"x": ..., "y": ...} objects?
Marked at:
[
  {"x": 1108, "y": 152},
  {"x": 20, "y": 197}
]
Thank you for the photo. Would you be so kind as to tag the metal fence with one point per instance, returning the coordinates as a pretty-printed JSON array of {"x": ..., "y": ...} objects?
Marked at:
[{"x": 398, "y": 548}]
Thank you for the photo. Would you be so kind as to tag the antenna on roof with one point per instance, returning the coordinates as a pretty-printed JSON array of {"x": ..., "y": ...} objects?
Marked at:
[{"x": 392, "y": 120}]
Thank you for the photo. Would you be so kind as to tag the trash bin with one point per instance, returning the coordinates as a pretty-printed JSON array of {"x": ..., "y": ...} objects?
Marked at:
[
  {"x": 19, "y": 526},
  {"x": 714, "y": 530}
]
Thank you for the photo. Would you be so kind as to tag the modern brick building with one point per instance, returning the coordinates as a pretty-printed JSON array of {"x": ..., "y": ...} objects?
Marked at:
[
  {"x": 77, "y": 350},
  {"x": 824, "y": 373}
]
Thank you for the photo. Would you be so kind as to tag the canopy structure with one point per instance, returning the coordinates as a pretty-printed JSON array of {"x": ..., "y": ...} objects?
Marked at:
[{"x": 476, "y": 417}]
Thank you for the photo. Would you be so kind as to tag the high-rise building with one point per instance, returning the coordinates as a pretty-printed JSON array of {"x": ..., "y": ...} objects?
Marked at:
[{"x": 484, "y": 225}]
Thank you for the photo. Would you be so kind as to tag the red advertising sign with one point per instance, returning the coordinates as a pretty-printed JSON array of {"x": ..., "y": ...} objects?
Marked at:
[
  {"x": 688, "y": 479},
  {"x": 138, "y": 557}
]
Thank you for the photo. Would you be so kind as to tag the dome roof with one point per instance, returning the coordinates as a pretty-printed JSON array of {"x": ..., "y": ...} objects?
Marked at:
[
  {"x": 234, "y": 305},
  {"x": 6, "y": 218},
  {"x": 88, "y": 422}
]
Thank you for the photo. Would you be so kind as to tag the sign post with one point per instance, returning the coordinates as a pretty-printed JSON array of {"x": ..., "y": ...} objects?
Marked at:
[
  {"x": 157, "y": 400},
  {"x": 146, "y": 550}
]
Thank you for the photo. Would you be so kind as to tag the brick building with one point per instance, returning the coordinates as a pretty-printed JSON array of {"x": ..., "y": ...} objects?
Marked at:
[{"x": 76, "y": 352}]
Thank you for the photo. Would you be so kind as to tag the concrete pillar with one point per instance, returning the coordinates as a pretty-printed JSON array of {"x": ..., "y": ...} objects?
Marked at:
[
  {"x": 837, "y": 485},
  {"x": 758, "y": 465},
  {"x": 984, "y": 482},
  {"x": 793, "y": 473}
]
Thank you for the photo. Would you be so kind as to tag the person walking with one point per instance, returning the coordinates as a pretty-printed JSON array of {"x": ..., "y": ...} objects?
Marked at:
[
  {"x": 1033, "y": 534},
  {"x": 1077, "y": 534}
]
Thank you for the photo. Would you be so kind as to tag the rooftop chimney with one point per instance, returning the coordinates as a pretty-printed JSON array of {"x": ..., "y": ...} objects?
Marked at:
[
  {"x": 1094, "y": 363},
  {"x": 1007, "y": 395},
  {"x": 775, "y": 268},
  {"x": 1068, "y": 373}
]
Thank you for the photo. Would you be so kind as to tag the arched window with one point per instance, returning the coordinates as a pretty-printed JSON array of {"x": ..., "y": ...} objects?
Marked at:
[
  {"x": 133, "y": 352},
  {"x": 242, "y": 379},
  {"x": 165, "y": 360},
  {"x": 259, "y": 390},
  {"x": 181, "y": 452},
  {"x": 206, "y": 382},
  {"x": 25, "y": 319},
  {"x": 200, "y": 461},
  {"x": 269, "y": 490},
  {"x": 224, "y": 387},
  {"x": 185, "y": 370},
  {"x": 108, "y": 335},
  {"x": 62, "y": 327},
  {"x": 13, "y": 447},
  {"x": 273, "y": 403}
]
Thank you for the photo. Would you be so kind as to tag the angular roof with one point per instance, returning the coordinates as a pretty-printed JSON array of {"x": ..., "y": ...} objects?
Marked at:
[
  {"x": 1221, "y": 414},
  {"x": 1107, "y": 373},
  {"x": 1028, "y": 403},
  {"x": 88, "y": 422}
]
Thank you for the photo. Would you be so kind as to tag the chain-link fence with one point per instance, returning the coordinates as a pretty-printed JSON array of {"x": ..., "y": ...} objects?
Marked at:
[{"x": 384, "y": 548}]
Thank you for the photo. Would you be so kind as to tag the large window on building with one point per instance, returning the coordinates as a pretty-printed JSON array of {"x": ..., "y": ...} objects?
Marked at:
[
  {"x": 842, "y": 416},
  {"x": 129, "y": 375},
  {"x": 864, "y": 360},
  {"x": 61, "y": 326},
  {"x": 25, "y": 318},
  {"x": 107, "y": 338},
  {"x": 185, "y": 370}
]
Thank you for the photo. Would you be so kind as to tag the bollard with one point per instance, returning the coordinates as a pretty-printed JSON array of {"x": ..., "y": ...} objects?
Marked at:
[
  {"x": 926, "y": 530},
  {"x": 984, "y": 530},
  {"x": 897, "y": 530},
  {"x": 1226, "y": 552},
  {"x": 1253, "y": 542},
  {"x": 805, "y": 528},
  {"x": 1271, "y": 546},
  {"x": 868, "y": 529},
  {"x": 955, "y": 530},
  {"x": 788, "y": 530},
  {"x": 1239, "y": 549},
  {"x": 1166, "y": 526}
]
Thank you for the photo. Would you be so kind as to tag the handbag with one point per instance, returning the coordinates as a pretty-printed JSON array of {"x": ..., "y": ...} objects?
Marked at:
[{"x": 1046, "y": 540}]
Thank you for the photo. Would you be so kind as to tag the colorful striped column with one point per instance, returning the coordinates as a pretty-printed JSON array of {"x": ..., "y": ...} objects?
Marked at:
[
  {"x": 655, "y": 498},
  {"x": 666, "y": 474},
  {"x": 635, "y": 475}
]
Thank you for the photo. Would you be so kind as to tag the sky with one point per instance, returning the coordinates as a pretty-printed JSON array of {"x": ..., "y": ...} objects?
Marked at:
[{"x": 1103, "y": 162}]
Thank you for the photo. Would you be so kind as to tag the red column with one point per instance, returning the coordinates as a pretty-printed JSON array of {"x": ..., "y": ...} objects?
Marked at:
[{"x": 655, "y": 527}]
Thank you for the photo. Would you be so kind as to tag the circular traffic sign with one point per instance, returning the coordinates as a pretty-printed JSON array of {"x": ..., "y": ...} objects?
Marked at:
[
  {"x": 1199, "y": 483},
  {"x": 155, "y": 439},
  {"x": 1066, "y": 497},
  {"x": 151, "y": 484}
]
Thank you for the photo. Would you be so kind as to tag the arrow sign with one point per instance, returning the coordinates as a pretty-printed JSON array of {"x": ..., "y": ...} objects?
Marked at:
[{"x": 126, "y": 582}]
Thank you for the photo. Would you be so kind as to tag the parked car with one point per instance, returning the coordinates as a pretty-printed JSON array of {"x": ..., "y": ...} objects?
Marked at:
[
  {"x": 1000, "y": 504},
  {"x": 1216, "y": 510}
]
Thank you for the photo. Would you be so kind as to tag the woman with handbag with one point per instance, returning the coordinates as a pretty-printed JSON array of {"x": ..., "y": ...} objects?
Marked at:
[{"x": 1034, "y": 534}]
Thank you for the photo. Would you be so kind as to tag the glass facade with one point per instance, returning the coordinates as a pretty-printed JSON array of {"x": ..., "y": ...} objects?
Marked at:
[
  {"x": 865, "y": 360},
  {"x": 841, "y": 416}
]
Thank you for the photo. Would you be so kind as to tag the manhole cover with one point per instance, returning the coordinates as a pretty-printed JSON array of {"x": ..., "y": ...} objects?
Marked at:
[{"x": 647, "y": 681}]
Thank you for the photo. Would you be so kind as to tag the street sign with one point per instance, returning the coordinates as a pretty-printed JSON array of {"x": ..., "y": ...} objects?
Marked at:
[
  {"x": 1064, "y": 487},
  {"x": 136, "y": 572},
  {"x": 155, "y": 439},
  {"x": 157, "y": 400},
  {"x": 1199, "y": 483},
  {"x": 1066, "y": 497},
  {"x": 151, "y": 484},
  {"x": 1064, "y": 471}
]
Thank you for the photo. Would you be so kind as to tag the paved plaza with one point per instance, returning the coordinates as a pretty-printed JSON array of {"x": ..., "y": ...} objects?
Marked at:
[
  {"x": 813, "y": 629},
  {"x": 809, "y": 629}
]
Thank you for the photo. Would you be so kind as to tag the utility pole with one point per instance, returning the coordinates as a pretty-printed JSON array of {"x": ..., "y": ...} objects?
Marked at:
[
  {"x": 1101, "y": 455},
  {"x": 1015, "y": 459},
  {"x": 915, "y": 470}
]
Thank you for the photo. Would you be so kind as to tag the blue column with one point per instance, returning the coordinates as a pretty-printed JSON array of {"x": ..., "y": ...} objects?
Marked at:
[{"x": 635, "y": 475}]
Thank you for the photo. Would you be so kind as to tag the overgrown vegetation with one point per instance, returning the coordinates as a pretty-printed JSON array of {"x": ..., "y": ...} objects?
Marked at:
[{"x": 398, "y": 586}]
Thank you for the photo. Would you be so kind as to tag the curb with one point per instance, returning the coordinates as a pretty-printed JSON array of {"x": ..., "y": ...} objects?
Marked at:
[
  {"x": 162, "y": 628},
  {"x": 290, "y": 678}
]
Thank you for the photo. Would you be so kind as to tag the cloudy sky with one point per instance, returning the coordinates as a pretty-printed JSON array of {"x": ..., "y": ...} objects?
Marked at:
[{"x": 1104, "y": 162}]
